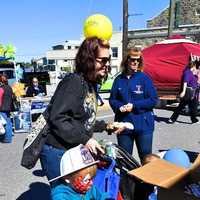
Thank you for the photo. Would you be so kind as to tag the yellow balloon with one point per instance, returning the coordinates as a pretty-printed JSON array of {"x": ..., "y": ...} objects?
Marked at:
[{"x": 98, "y": 25}]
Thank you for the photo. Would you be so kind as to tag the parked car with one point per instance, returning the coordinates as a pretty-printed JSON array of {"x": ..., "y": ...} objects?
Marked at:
[{"x": 8, "y": 69}]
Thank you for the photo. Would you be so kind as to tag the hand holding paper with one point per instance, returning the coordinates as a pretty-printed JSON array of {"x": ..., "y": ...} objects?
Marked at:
[{"x": 118, "y": 127}]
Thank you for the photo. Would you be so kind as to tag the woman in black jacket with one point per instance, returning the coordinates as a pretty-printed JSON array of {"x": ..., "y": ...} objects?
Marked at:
[{"x": 72, "y": 114}]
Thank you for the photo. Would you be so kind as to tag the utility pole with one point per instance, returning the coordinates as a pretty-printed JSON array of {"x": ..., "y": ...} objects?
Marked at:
[
  {"x": 171, "y": 17},
  {"x": 125, "y": 28}
]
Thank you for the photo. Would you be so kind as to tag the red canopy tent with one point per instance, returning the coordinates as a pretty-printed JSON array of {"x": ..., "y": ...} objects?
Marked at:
[{"x": 165, "y": 61}]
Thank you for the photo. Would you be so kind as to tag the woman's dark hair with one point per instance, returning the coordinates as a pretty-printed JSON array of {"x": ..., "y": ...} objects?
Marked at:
[
  {"x": 87, "y": 53},
  {"x": 132, "y": 52},
  {"x": 193, "y": 60}
]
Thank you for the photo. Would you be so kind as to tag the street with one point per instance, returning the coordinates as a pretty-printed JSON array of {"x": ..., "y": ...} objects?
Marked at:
[{"x": 18, "y": 183}]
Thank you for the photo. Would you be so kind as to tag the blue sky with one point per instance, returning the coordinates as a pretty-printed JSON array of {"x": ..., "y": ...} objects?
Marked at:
[{"x": 33, "y": 26}]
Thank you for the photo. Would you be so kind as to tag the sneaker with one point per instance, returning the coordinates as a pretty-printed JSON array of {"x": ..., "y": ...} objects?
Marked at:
[
  {"x": 101, "y": 104},
  {"x": 195, "y": 121},
  {"x": 171, "y": 121}
]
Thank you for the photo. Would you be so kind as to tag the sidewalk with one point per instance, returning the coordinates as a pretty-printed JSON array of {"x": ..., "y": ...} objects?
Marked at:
[{"x": 105, "y": 106}]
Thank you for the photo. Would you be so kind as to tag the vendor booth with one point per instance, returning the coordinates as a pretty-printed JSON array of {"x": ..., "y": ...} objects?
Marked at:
[
  {"x": 35, "y": 104},
  {"x": 29, "y": 106}
]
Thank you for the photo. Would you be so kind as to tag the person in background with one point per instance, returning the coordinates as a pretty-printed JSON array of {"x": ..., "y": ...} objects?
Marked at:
[
  {"x": 6, "y": 108},
  {"x": 189, "y": 79},
  {"x": 35, "y": 89},
  {"x": 132, "y": 99},
  {"x": 99, "y": 98},
  {"x": 73, "y": 108}
]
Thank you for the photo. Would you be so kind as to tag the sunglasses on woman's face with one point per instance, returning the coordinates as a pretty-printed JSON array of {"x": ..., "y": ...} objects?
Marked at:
[
  {"x": 133, "y": 59},
  {"x": 103, "y": 60}
]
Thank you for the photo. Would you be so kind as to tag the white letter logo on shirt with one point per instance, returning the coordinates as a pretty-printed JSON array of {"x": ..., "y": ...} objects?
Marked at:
[{"x": 138, "y": 89}]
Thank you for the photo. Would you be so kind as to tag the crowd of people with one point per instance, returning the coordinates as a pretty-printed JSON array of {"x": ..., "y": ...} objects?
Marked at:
[
  {"x": 73, "y": 119},
  {"x": 72, "y": 111}
]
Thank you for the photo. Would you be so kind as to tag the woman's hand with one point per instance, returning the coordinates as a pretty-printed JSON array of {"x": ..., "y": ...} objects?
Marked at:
[
  {"x": 182, "y": 94},
  {"x": 122, "y": 109},
  {"x": 94, "y": 146},
  {"x": 129, "y": 107},
  {"x": 126, "y": 108},
  {"x": 119, "y": 129},
  {"x": 110, "y": 126}
]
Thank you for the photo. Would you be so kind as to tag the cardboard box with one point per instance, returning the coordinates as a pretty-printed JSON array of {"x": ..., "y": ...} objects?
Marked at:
[{"x": 170, "y": 178}]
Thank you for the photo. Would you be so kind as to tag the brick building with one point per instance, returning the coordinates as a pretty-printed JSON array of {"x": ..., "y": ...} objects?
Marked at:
[{"x": 187, "y": 23}]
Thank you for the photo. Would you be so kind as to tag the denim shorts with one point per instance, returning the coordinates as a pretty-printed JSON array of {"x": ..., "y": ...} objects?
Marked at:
[{"x": 50, "y": 161}]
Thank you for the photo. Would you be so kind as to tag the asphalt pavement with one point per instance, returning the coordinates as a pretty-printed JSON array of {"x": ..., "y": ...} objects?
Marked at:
[{"x": 18, "y": 183}]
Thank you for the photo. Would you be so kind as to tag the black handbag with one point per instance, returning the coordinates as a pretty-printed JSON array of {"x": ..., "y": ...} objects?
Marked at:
[
  {"x": 15, "y": 104},
  {"x": 34, "y": 142},
  {"x": 189, "y": 94}
]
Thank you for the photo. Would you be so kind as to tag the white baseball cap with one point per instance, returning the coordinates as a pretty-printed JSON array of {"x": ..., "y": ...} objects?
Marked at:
[{"x": 74, "y": 160}]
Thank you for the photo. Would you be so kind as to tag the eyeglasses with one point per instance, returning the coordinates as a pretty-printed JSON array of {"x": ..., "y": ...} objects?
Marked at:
[
  {"x": 103, "y": 60},
  {"x": 133, "y": 59}
]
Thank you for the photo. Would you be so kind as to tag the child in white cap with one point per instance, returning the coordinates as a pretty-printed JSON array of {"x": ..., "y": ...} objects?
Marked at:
[{"x": 77, "y": 168}]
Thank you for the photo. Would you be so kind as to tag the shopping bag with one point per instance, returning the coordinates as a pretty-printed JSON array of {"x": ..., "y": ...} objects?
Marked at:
[
  {"x": 107, "y": 179},
  {"x": 2, "y": 124},
  {"x": 2, "y": 120},
  {"x": 2, "y": 129},
  {"x": 34, "y": 142}
]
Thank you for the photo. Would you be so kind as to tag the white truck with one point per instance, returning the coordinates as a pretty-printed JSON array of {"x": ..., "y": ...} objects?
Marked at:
[{"x": 8, "y": 69}]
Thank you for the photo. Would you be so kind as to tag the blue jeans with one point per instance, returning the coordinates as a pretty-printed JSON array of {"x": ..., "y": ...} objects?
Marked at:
[
  {"x": 8, "y": 127},
  {"x": 50, "y": 161},
  {"x": 143, "y": 142}
]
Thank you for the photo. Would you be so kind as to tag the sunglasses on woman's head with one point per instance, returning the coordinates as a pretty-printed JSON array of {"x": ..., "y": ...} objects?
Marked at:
[{"x": 103, "y": 60}]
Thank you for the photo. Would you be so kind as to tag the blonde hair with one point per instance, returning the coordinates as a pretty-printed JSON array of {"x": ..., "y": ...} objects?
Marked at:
[{"x": 134, "y": 52}]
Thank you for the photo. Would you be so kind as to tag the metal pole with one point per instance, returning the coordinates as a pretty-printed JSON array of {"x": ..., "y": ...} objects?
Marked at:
[
  {"x": 171, "y": 17},
  {"x": 125, "y": 27}
]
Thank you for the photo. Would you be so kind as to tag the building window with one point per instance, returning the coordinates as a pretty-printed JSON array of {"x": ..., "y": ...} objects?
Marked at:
[
  {"x": 197, "y": 11},
  {"x": 76, "y": 47},
  {"x": 51, "y": 62},
  {"x": 69, "y": 47},
  {"x": 114, "y": 52},
  {"x": 58, "y": 47}
]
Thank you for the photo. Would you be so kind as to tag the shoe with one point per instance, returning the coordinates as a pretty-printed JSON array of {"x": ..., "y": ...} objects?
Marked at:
[
  {"x": 7, "y": 142},
  {"x": 171, "y": 121},
  {"x": 195, "y": 121},
  {"x": 101, "y": 104}
]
